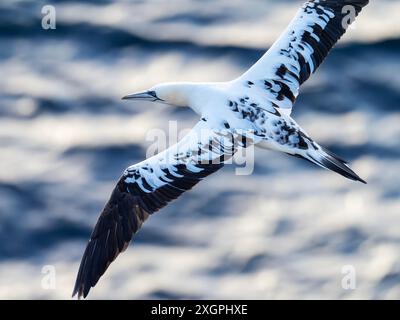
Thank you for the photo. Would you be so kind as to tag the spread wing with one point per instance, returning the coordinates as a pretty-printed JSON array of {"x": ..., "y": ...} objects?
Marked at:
[
  {"x": 145, "y": 188},
  {"x": 302, "y": 47}
]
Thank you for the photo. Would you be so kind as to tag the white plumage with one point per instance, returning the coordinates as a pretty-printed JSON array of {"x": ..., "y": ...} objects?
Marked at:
[{"x": 252, "y": 109}]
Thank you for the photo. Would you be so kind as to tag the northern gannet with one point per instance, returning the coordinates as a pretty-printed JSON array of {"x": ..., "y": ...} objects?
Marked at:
[{"x": 254, "y": 108}]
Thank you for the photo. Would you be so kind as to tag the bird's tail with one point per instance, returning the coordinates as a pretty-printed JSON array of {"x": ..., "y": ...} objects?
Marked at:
[{"x": 328, "y": 160}]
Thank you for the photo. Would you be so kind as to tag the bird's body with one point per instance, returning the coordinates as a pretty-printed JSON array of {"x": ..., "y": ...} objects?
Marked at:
[{"x": 252, "y": 109}]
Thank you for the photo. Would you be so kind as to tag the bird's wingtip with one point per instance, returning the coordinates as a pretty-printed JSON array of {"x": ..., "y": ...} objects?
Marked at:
[
  {"x": 79, "y": 294},
  {"x": 80, "y": 291},
  {"x": 331, "y": 161},
  {"x": 362, "y": 180},
  {"x": 76, "y": 292}
]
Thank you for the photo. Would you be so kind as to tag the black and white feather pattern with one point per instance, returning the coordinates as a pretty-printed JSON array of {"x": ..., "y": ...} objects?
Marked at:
[
  {"x": 299, "y": 51},
  {"x": 146, "y": 187},
  {"x": 259, "y": 103}
]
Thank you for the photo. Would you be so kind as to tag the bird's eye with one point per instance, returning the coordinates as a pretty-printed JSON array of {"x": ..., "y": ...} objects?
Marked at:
[{"x": 152, "y": 93}]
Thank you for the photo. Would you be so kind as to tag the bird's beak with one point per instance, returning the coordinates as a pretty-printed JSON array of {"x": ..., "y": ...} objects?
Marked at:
[{"x": 145, "y": 95}]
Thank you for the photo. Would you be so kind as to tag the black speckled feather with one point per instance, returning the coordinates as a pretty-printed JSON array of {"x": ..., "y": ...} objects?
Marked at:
[
  {"x": 301, "y": 49},
  {"x": 144, "y": 189}
]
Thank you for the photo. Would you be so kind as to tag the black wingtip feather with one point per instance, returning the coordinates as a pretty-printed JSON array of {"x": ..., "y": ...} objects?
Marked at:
[
  {"x": 330, "y": 161},
  {"x": 122, "y": 217},
  {"x": 339, "y": 167},
  {"x": 334, "y": 155}
]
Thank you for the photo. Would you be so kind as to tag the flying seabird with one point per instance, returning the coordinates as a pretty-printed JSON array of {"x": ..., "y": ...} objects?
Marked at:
[{"x": 252, "y": 109}]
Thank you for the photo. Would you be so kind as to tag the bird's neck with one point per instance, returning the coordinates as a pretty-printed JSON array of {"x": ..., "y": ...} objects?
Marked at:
[{"x": 189, "y": 94}]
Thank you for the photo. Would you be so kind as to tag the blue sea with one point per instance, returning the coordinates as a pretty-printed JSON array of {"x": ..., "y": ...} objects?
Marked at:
[{"x": 290, "y": 230}]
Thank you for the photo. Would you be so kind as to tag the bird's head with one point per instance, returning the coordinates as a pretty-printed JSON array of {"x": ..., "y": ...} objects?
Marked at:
[{"x": 177, "y": 94}]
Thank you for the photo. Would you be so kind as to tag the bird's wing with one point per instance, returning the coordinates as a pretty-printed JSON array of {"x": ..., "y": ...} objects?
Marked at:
[
  {"x": 145, "y": 188},
  {"x": 301, "y": 48}
]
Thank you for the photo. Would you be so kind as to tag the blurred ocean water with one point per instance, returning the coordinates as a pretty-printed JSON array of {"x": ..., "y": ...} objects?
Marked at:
[{"x": 286, "y": 231}]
